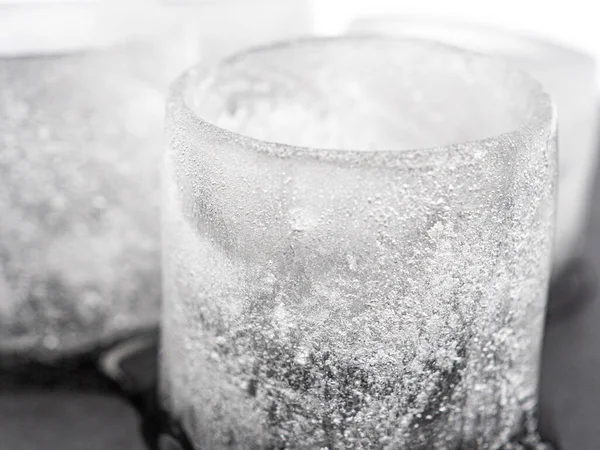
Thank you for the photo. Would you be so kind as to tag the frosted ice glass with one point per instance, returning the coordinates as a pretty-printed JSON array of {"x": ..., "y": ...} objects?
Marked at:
[
  {"x": 569, "y": 76},
  {"x": 357, "y": 237},
  {"x": 82, "y": 94}
]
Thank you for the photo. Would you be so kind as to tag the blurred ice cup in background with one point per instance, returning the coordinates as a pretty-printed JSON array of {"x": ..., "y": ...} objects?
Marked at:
[
  {"x": 82, "y": 89},
  {"x": 569, "y": 76}
]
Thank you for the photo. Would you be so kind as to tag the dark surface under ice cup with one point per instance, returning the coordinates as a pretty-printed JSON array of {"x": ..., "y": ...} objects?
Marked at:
[{"x": 356, "y": 247}]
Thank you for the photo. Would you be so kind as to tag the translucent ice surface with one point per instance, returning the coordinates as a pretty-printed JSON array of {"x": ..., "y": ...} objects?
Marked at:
[
  {"x": 569, "y": 76},
  {"x": 82, "y": 94},
  {"x": 78, "y": 178},
  {"x": 357, "y": 239}
]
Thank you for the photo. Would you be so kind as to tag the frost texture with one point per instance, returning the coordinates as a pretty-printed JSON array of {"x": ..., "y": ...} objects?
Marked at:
[
  {"x": 569, "y": 76},
  {"x": 80, "y": 138},
  {"x": 352, "y": 299},
  {"x": 81, "y": 135}
]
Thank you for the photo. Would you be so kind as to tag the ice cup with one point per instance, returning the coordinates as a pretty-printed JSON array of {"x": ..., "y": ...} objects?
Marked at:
[
  {"x": 357, "y": 241},
  {"x": 569, "y": 76},
  {"x": 82, "y": 94}
]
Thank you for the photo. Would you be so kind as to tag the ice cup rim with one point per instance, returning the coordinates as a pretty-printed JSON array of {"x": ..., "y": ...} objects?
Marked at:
[
  {"x": 544, "y": 115},
  {"x": 550, "y": 52}
]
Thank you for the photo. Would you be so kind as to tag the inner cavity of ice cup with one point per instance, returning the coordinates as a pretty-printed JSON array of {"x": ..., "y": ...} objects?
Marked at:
[
  {"x": 365, "y": 94},
  {"x": 569, "y": 75}
]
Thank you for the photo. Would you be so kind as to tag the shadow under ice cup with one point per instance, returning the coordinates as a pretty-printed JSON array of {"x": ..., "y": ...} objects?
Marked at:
[
  {"x": 357, "y": 241},
  {"x": 568, "y": 75},
  {"x": 82, "y": 93}
]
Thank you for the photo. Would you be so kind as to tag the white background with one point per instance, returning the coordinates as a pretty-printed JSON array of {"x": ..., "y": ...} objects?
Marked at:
[{"x": 575, "y": 22}]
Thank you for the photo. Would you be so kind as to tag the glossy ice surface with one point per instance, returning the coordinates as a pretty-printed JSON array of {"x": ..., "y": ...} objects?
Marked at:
[
  {"x": 568, "y": 75},
  {"x": 81, "y": 133},
  {"x": 355, "y": 292}
]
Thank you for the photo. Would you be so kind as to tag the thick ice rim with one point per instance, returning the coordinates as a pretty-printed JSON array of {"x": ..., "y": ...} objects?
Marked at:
[
  {"x": 542, "y": 51},
  {"x": 542, "y": 117}
]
